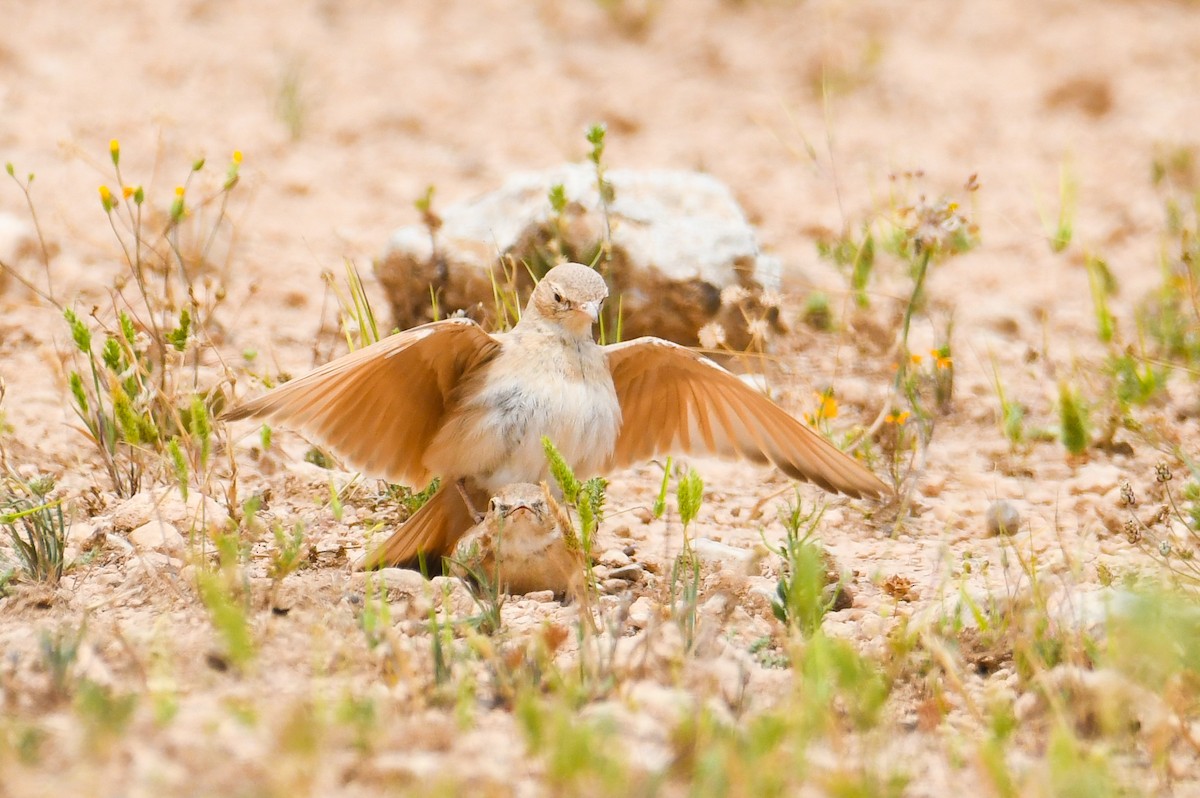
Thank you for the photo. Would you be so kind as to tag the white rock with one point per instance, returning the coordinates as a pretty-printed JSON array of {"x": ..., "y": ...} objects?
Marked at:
[
  {"x": 1097, "y": 478},
  {"x": 642, "y": 611},
  {"x": 165, "y": 504},
  {"x": 684, "y": 253},
  {"x": 453, "y": 593},
  {"x": 615, "y": 558},
  {"x": 157, "y": 536},
  {"x": 402, "y": 579},
  {"x": 721, "y": 554},
  {"x": 81, "y": 532}
]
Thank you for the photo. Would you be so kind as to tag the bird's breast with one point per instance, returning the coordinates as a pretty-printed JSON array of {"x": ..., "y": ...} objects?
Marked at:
[{"x": 558, "y": 391}]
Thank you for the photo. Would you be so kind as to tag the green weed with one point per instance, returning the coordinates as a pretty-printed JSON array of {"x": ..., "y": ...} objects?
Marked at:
[{"x": 36, "y": 526}]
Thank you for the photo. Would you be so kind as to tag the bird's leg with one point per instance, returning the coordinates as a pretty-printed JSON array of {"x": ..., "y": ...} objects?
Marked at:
[{"x": 461, "y": 484}]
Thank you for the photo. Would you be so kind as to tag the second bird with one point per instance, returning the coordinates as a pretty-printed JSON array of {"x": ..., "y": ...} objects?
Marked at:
[{"x": 449, "y": 399}]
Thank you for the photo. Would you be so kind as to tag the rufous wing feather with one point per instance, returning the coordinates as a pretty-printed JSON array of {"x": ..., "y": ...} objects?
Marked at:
[
  {"x": 432, "y": 531},
  {"x": 380, "y": 407},
  {"x": 675, "y": 400}
]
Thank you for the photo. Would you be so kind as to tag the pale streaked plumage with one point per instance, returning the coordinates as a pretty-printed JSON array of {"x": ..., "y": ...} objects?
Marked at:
[{"x": 449, "y": 399}]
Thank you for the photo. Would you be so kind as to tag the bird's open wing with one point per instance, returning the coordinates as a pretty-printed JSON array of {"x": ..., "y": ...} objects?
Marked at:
[
  {"x": 674, "y": 400},
  {"x": 380, "y": 407}
]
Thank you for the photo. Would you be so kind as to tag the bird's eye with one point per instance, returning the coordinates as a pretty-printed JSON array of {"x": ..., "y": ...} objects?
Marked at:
[
  {"x": 494, "y": 504},
  {"x": 557, "y": 297}
]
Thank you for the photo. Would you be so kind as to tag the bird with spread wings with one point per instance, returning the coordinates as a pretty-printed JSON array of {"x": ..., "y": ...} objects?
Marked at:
[{"x": 449, "y": 399}]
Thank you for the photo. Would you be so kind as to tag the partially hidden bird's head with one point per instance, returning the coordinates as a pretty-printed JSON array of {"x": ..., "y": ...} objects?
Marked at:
[
  {"x": 569, "y": 295},
  {"x": 520, "y": 501}
]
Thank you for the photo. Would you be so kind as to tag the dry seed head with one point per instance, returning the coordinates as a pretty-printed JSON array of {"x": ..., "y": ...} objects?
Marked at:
[
  {"x": 770, "y": 299},
  {"x": 711, "y": 335},
  {"x": 732, "y": 294},
  {"x": 758, "y": 329}
]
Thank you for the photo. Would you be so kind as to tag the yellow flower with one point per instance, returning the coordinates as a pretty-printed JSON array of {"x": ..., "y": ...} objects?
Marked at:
[
  {"x": 177, "y": 207},
  {"x": 114, "y": 150},
  {"x": 915, "y": 359},
  {"x": 827, "y": 407},
  {"x": 945, "y": 362},
  {"x": 126, "y": 191},
  {"x": 237, "y": 156},
  {"x": 897, "y": 418},
  {"x": 107, "y": 199}
]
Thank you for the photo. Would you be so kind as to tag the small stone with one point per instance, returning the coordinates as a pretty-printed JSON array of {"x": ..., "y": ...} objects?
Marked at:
[
  {"x": 629, "y": 573},
  {"x": 720, "y": 554},
  {"x": 641, "y": 612},
  {"x": 81, "y": 533},
  {"x": 871, "y": 626},
  {"x": 615, "y": 558},
  {"x": 1097, "y": 478},
  {"x": 614, "y": 587},
  {"x": 1002, "y": 518},
  {"x": 157, "y": 536},
  {"x": 198, "y": 512},
  {"x": 405, "y": 580},
  {"x": 643, "y": 514},
  {"x": 453, "y": 592}
]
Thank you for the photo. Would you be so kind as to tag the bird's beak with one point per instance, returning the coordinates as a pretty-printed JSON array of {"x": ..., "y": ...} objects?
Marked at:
[
  {"x": 592, "y": 309},
  {"x": 526, "y": 508}
]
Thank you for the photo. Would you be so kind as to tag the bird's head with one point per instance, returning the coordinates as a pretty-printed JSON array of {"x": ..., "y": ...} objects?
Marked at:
[
  {"x": 519, "y": 502},
  {"x": 569, "y": 295}
]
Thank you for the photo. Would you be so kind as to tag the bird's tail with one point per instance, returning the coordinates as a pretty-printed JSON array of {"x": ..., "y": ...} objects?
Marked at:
[{"x": 431, "y": 532}]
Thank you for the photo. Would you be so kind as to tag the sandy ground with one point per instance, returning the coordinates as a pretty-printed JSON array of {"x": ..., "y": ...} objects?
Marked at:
[{"x": 345, "y": 112}]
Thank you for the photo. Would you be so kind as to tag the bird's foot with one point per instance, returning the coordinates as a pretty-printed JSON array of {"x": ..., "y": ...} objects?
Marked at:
[{"x": 461, "y": 484}]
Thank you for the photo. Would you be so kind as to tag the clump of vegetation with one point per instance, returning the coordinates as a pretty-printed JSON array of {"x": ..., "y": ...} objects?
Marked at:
[
  {"x": 136, "y": 388},
  {"x": 36, "y": 527}
]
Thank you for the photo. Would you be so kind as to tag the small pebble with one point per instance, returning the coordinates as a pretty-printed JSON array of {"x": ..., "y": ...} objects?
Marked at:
[
  {"x": 615, "y": 558},
  {"x": 1002, "y": 518},
  {"x": 629, "y": 573},
  {"x": 614, "y": 587},
  {"x": 641, "y": 612},
  {"x": 157, "y": 536}
]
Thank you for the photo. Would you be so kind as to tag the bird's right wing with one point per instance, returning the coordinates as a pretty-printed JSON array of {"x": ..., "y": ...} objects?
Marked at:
[
  {"x": 675, "y": 400},
  {"x": 380, "y": 407}
]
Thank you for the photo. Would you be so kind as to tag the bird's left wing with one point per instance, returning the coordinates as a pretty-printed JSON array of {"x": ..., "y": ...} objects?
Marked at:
[
  {"x": 381, "y": 406},
  {"x": 675, "y": 400}
]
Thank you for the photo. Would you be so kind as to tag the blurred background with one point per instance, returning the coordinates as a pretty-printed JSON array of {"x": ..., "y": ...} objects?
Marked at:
[{"x": 345, "y": 112}]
